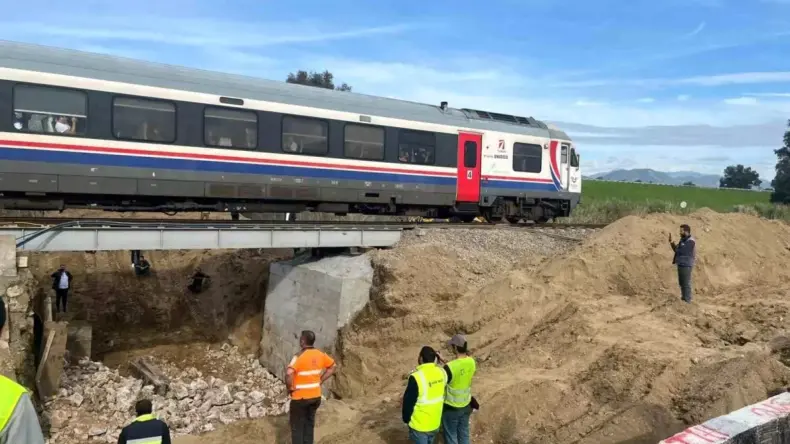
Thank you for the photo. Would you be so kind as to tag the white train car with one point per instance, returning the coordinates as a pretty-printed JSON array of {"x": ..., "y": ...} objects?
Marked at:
[{"x": 95, "y": 131}]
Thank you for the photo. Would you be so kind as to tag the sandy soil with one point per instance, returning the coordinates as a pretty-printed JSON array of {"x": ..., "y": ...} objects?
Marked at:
[{"x": 590, "y": 347}]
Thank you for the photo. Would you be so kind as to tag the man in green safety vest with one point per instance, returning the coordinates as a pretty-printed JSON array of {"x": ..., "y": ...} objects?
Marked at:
[
  {"x": 458, "y": 401},
  {"x": 18, "y": 419},
  {"x": 423, "y": 399}
]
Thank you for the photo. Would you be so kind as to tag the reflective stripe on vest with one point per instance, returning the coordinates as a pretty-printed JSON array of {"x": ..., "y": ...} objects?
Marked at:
[
  {"x": 157, "y": 440},
  {"x": 143, "y": 418},
  {"x": 308, "y": 367},
  {"x": 151, "y": 440},
  {"x": 459, "y": 390},
  {"x": 431, "y": 382},
  {"x": 10, "y": 394}
]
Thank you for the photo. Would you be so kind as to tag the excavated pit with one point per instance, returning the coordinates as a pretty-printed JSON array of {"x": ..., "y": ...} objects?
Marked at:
[
  {"x": 576, "y": 343},
  {"x": 205, "y": 345}
]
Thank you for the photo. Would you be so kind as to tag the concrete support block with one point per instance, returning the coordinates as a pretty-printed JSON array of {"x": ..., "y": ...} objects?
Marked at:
[
  {"x": 80, "y": 338},
  {"x": 320, "y": 295},
  {"x": 7, "y": 256},
  {"x": 767, "y": 422}
]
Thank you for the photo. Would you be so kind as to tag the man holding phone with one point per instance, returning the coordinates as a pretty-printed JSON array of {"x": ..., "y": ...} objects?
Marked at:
[{"x": 685, "y": 255}]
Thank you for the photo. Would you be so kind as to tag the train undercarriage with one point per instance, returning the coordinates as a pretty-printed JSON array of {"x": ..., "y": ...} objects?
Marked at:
[{"x": 512, "y": 210}]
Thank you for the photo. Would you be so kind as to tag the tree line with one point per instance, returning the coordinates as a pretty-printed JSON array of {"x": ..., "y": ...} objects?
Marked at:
[
  {"x": 738, "y": 176},
  {"x": 734, "y": 176}
]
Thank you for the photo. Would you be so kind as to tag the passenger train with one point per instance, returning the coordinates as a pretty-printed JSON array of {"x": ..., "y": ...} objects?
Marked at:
[{"x": 85, "y": 130}]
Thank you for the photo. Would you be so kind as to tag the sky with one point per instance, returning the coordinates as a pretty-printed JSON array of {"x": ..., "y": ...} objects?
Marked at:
[{"x": 672, "y": 85}]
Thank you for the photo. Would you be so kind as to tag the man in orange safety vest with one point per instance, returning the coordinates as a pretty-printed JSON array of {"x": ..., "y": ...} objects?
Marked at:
[{"x": 307, "y": 371}]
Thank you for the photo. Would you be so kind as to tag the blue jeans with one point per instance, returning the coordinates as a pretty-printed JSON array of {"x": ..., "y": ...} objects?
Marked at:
[
  {"x": 455, "y": 425},
  {"x": 422, "y": 437}
]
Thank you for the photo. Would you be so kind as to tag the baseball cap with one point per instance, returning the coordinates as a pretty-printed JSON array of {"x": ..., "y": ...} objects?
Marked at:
[{"x": 457, "y": 340}]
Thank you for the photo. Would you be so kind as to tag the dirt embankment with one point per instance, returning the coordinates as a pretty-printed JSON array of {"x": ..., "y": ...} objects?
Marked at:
[
  {"x": 585, "y": 344},
  {"x": 590, "y": 347},
  {"x": 130, "y": 312}
]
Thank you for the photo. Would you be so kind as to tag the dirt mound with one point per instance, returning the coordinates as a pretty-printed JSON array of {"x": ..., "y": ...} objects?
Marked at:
[
  {"x": 630, "y": 256},
  {"x": 592, "y": 345}
]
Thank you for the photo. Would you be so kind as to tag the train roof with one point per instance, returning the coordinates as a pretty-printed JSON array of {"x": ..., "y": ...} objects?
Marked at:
[{"x": 104, "y": 67}]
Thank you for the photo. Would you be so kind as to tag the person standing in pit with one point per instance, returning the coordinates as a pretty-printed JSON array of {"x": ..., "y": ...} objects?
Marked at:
[
  {"x": 306, "y": 372},
  {"x": 18, "y": 420},
  {"x": 458, "y": 400},
  {"x": 146, "y": 428},
  {"x": 685, "y": 254},
  {"x": 61, "y": 283},
  {"x": 423, "y": 398}
]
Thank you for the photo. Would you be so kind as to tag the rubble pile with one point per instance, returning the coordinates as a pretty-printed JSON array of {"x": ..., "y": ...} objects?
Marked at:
[{"x": 95, "y": 402}]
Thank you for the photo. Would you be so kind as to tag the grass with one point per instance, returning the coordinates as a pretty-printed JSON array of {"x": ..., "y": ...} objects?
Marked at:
[
  {"x": 595, "y": 191},
  {"x": 607, "y": 211}
]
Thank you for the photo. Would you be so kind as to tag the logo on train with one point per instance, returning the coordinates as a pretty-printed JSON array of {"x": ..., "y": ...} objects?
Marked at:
[{"x": 501, "y": 146}]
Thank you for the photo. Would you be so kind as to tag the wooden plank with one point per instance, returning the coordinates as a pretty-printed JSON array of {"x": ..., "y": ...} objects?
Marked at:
[{"x": 151, "y": 374}]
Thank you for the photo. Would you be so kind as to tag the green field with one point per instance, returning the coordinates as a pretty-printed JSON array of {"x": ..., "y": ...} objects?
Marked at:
[
  {"x": 605, "y": 202},
  {"x": 714, "y": 198}
]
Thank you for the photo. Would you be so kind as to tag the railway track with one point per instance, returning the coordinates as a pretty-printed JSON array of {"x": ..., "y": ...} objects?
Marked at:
[{"x": 197, "y": 223}]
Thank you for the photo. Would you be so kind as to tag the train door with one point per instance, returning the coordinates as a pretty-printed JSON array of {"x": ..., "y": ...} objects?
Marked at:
[
  {"x": 469, "y": 149},
  {"x": 575, "y": 184},
  {"x": 565, "y": 153}
]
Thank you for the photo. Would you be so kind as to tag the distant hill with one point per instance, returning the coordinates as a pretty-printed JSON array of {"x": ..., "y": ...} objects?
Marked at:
[{"x": 660, "y": 177}]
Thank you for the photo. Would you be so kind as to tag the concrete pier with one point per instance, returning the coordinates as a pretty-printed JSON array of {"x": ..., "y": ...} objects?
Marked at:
[{"x": 307, "y": 294}]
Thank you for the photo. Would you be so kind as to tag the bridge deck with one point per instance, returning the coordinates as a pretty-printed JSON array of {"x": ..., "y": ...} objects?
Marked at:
[{"x": 97, "y": 236}]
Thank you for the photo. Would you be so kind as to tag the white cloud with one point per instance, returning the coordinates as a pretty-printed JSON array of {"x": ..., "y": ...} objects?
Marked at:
[
  {"x": 696, "y": 30},
  {"x": 683, "y": 97},
  {"x": 199, "y": 33},
  {"x": 646, "y": 100},
  {"x": 784, "y": 95},
  {"x": 746, "y": 101},
  {"x": 588, "y": 103},
  {"x": 742, "y": 78}
]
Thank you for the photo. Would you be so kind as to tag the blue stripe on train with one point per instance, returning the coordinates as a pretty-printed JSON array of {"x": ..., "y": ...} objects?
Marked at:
[
  {"x": 522, "y": 186},
  {"x": 34, "y": 155},
  {"x": 213, "y": 166}
]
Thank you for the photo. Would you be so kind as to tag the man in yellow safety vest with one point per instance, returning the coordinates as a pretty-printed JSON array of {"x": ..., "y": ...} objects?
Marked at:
[
  {"x": 458, "y": 401},
  {"x": 18, "y": 419},
  {"x": 423, "y": 399},
  {"x": 146, "y": 428}
]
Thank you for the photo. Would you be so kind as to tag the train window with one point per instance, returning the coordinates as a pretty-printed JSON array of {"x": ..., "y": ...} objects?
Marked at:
[
  {"x": 564, "y": 154},
  {"x": 470, "y": 154},
  {"x": 364, "y": 142},
  {"x": 417, "y": 147},
  {"x": 46, "y": 109},
  {"x": 527, "y": 158},
  {"x": 230, "y": 128},
  {"x": 303, "y": 135},
  {"x": 574, "y": 158},
  {"x": 143, "y": 119}
]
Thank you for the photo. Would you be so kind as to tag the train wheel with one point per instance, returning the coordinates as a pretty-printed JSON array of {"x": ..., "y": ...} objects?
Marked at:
[{"x": 513, "y": 219}]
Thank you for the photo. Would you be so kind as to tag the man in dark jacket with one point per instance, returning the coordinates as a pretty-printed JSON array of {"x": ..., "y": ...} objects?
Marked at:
[
  {"x": 145, "y": 428},
  {"x": 198, "y": 279},
  {"x": 685, "y": 254},
  {"x": 61, "y": 283}
]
